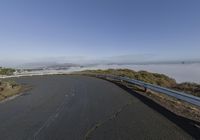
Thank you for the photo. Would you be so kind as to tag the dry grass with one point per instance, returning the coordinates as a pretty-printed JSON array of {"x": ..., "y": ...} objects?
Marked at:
[{"x": 8, "y": 89}]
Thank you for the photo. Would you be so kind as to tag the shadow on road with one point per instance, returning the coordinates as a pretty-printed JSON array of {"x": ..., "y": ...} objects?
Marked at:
[{"x": 187, "y": 125}]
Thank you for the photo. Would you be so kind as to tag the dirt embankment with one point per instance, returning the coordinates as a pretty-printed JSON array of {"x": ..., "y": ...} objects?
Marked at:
[{"x": 10, "y": 88}]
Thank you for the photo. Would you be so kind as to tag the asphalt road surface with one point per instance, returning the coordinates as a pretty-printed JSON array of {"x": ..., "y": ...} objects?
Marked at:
[{"x": 81, "y": 108}]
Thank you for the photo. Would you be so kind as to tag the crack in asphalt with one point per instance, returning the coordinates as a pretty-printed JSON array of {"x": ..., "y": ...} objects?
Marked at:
[
  {"x": 101, "y": 123},
  {"x": 55, "y": 115},
  {"x": 49, "y": 120}
]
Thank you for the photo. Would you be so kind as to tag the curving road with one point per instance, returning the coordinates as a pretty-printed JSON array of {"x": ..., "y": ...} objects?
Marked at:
[{"x": 78, "y": 108}]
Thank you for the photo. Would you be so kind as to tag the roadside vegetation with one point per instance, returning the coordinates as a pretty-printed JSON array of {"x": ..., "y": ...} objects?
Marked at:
[
  {"x": 152, "y": 78},
  {"x": 6, "y": 71},
  {"x": 8, "y": 89}
]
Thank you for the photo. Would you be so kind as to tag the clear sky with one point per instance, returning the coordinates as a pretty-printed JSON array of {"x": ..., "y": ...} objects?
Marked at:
[{"x": 84, "y": 30}]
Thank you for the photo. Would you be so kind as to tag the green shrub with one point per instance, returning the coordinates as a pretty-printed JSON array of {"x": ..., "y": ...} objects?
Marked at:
[{"x": 6, "y": 71}]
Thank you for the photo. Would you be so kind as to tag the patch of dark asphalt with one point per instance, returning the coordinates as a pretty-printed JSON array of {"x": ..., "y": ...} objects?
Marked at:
[
  {"x": 99, "y": 124},
  {"x": 189, "y": 126},
  {"x": 52, "y": 118}
]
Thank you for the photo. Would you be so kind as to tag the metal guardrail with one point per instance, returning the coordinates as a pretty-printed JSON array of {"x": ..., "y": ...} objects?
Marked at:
[{"x": 176, "y": 94}]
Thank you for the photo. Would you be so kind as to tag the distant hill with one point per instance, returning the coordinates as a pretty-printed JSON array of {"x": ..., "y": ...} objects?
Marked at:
[
  {"x": 62, "y": 66},
  {"x": 48, "y": 65}
]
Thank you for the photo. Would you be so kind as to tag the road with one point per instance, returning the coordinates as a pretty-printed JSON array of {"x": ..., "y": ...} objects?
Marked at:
[{"x": 68, "y": 107}]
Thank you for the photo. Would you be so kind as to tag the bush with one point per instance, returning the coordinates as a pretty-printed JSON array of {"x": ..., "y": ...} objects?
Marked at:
[{"x": 6, "y": 71}]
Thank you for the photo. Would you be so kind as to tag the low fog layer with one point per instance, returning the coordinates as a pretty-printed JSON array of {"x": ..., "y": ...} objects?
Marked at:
[{"x": 180, "y": 72}]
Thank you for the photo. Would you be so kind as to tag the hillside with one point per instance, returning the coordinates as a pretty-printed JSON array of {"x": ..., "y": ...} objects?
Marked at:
[{"x": 152, "y": 78}]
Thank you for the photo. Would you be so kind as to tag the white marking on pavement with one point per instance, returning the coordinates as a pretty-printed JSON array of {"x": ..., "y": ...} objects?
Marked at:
[{"x": 49, "y": 120}]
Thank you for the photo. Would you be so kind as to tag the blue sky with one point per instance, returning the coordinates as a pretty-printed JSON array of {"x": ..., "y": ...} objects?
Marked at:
[{"x": 89, "y": 30}]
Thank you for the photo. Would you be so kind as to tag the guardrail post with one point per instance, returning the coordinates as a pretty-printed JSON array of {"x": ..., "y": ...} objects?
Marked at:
[{"x": 145, "y": 89}]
